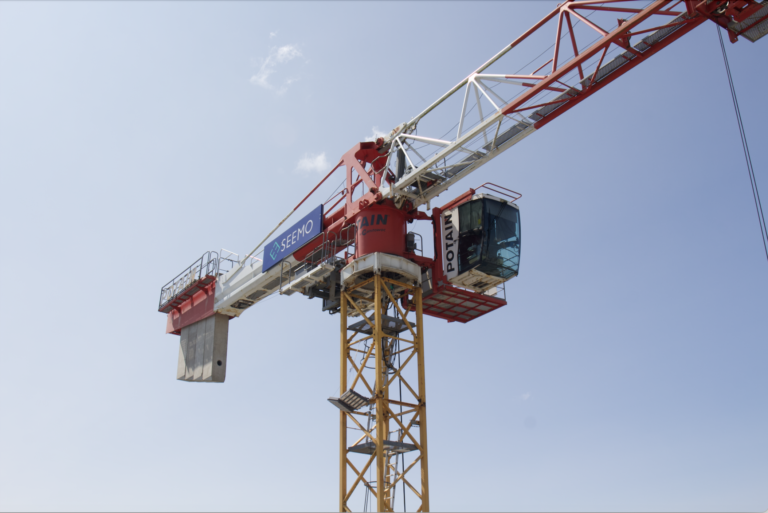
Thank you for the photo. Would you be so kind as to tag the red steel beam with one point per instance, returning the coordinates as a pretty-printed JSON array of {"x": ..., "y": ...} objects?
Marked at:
[
  {"x": 599, "y": 45},
  {"x": 613, "y": 76},
  {"x": 609, "y": 38}
]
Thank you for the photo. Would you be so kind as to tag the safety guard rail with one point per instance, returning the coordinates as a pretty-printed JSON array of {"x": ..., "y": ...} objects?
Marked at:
[{"x": 204, "y": 269}]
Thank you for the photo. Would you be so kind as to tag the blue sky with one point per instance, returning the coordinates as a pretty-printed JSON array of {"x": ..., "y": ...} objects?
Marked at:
[{"x": 627, "y": 372}]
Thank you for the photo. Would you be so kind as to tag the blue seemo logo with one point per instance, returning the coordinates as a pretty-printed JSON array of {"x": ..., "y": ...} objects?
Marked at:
[
  {"x": 309, "y": 227},
  {"x": 275, "y": 250}
]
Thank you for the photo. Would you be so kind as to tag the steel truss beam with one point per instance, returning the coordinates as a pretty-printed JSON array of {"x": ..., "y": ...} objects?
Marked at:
[
  {"x": 378, "y": 374},
  {"x": 592, "y": 47},
  {"x": 595, "y": 43}
]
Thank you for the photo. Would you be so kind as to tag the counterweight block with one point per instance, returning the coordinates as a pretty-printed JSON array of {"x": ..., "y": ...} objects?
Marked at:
[{"x": 203, "y": 350}]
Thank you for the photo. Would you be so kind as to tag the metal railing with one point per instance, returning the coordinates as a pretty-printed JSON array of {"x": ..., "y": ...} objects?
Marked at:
[
  {"x": 206, "y": 265},
  {"x": 331, "y": 245},
  {"x": 416, "y": 247},
  {"x": 513, "y": 195},
  {"x": 229, "y": 260},
  {"x": 325, "y": 253},
  {"x": 498, "y": 291}
]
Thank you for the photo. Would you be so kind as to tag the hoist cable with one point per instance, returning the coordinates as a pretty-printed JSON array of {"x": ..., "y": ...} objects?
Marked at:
[
  {"x": 745, "y": 147},
  {"x": 335, "y": 191}
]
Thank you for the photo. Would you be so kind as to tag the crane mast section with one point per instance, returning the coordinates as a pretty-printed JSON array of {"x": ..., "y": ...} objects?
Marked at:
[{"x": 498, "y": 110}]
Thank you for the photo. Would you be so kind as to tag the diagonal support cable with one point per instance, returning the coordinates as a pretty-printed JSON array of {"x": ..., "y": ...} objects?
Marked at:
[{"x": 745, "y": 147}]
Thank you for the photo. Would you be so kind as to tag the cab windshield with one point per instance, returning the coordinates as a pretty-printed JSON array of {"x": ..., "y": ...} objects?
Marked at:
[{"x": 489, "y": 238}]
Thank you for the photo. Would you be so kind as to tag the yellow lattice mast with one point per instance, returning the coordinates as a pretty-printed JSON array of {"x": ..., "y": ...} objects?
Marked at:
[{"x": 383, "y": 441}]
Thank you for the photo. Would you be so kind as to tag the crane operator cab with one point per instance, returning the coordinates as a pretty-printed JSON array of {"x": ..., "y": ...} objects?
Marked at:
[{"x": 481, "y": 242}]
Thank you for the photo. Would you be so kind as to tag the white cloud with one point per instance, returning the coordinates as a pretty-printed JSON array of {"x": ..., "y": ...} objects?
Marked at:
[
  {"x": 525, "y": 396},
  {"x": 272, "y": 34},
  {"x": 286, "y": 53},
  {"x": 277, "y": 56},
  {"x": 375, "y": 134},
  {"x": 313, "y": 163}
]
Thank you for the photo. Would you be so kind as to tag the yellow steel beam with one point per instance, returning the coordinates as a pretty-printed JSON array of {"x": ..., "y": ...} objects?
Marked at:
[
  {"x": 362, "y": 366},
  {"x": 358, "y": 310},
  {"x": 381, "y": 429},
  {"x": 404, "y": 472},
  {"x": 387, "y": 476},
  {"x": 342, "y": 417},
  {"x": 397, "y": 372},
  {"x": 359, "y": 476},
  {"x": 423, "y": 403},
  {"x": 361, "y": 284},
  {"x": 402, "y": 315},
  {"x": 405, "y": 429}
]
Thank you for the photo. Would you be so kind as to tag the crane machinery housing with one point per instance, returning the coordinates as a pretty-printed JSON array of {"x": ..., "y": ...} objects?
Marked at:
[{"x": 356, "y": 254}]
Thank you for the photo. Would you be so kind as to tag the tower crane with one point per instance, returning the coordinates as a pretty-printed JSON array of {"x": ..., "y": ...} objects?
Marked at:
[{"x": 356, "y": 255}]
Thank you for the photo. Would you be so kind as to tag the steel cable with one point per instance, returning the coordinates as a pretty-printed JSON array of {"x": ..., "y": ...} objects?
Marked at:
[{"x": 745, "y": 147}]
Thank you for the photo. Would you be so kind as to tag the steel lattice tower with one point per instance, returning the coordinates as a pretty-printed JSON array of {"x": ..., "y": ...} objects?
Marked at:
[{"x": 372, "y": 350}]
